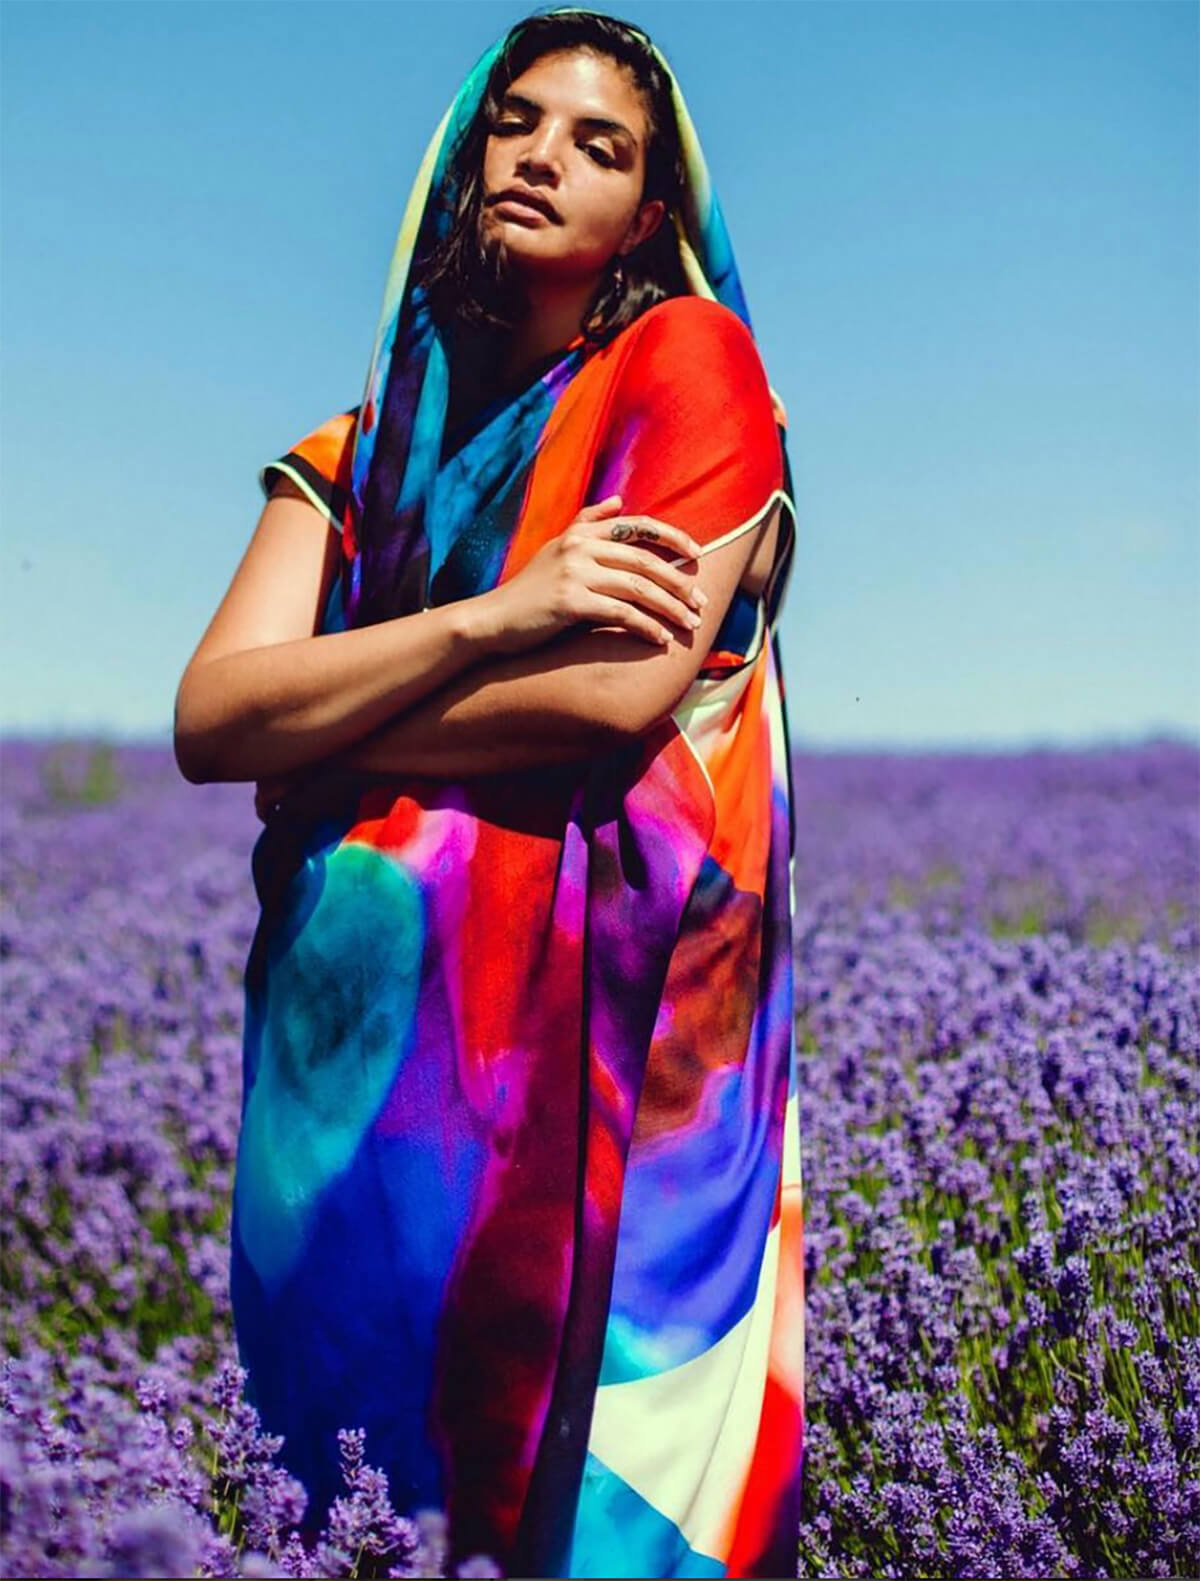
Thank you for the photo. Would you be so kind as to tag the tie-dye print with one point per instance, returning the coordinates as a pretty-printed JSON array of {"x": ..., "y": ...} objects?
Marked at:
[{"x": 519, "y": 1182}]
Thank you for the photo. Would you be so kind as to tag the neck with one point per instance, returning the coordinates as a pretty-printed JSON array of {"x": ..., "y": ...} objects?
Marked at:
[{"x": 553, "y": 318}]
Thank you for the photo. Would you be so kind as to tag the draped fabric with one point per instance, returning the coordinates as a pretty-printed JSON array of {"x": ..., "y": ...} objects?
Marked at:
[{"x": 518, "y": 1186}]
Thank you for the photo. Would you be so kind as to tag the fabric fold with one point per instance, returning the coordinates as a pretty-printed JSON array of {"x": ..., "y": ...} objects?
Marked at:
[{"x": 519, "y": 1080}]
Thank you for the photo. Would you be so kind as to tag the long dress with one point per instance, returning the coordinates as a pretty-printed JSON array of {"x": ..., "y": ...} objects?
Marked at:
[{"x": 518, "y": 1186}]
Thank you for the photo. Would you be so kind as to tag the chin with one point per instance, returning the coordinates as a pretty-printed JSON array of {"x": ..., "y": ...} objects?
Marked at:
[{"x": 525, "y": 256}]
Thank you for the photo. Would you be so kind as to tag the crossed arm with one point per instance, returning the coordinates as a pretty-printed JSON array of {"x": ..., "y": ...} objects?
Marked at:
[
  {"x": 265, "y": 699},
  {"x": 562, "y": 702},
  {"x": 440, "y": 692},
  {"x": 566, "y": 700}
]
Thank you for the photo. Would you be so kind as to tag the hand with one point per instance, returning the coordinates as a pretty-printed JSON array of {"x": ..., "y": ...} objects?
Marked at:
[
  {"x": 268, "y": 793},
  {"x": 311, "y": 792},
  {"x": 586, "y": 574},
  {"x": 274, "y": 789}
]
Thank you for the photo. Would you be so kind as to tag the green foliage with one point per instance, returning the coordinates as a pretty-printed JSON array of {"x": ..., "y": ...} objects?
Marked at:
[{"x": 69, "y": 783}]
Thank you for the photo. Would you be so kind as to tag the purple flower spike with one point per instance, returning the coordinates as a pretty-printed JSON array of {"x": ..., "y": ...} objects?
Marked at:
[{"x": 997, "y": 999}]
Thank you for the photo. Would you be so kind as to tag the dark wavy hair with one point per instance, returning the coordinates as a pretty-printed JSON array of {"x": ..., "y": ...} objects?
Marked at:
[{"x": 468, "y": 283}]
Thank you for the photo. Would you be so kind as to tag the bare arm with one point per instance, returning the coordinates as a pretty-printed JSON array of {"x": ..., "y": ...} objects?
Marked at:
[
  {"x": 263, "y": 694},
  {"x": 584, "y": 694}
]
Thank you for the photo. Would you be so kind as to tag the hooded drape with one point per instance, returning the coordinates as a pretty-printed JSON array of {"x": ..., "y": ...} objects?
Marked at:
[{"x": 518, "y": 1185}]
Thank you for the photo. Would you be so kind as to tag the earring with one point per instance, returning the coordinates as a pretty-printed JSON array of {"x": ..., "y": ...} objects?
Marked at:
[{"x": 618, "y": 277}]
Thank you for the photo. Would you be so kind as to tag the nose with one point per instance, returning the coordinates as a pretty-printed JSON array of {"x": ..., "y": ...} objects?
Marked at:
[{"x": 540, "y": 151}]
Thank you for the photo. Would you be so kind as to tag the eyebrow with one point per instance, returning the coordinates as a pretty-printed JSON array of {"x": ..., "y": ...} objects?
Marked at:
[{"x": 519, "y": 101}]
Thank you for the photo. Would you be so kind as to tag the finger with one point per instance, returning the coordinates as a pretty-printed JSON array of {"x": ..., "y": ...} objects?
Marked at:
[
  {"x": 629, "y": 557},
  {"x": 615, "y": 612},
  {"x": 653, "y": 530},
  {"x": 649, "y": 529},
  {"x": 648, "y": 595},
  {"x": 605, "y": 507}
]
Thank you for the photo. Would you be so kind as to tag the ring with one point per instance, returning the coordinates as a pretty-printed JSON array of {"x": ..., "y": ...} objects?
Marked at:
[{"x": 621, "y": 532}]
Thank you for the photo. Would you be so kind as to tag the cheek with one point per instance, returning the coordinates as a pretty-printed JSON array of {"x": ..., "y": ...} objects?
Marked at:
[
  {"x": 609, "y": 211},
  {"x": 491, "y": 164}
]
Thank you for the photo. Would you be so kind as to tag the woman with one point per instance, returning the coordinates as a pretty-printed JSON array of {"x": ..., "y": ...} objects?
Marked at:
[{"x": 518, "y": 1184}]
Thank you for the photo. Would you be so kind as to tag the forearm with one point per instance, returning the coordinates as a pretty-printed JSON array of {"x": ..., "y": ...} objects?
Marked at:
[
  {"x": 270, "y": 710},
  {"x": 542, "y": 707}
]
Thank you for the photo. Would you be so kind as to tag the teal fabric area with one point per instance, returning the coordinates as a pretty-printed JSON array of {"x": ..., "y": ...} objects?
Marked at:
[
  {"x": 334, "y": 618},
  {"x": 618, "y": 1534},
  {"x": 336, "y": 1024}
]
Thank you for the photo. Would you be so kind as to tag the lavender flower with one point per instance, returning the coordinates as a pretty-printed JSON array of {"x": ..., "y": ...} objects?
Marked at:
[{"x": 998, "y": 1020}]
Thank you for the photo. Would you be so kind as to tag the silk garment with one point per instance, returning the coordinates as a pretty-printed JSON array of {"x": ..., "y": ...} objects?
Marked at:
[{"x": 518, "y": 1185}]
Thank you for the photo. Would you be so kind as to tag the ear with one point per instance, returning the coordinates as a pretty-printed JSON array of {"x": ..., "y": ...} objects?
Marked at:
[{"x": 649, "y": 218}]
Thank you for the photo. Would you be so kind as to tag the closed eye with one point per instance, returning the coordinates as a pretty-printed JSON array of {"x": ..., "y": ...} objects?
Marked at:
[{"x": 599, "y": 154}]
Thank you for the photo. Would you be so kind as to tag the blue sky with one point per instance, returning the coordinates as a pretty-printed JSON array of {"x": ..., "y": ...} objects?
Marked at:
[{"x": 969, "y": 234}]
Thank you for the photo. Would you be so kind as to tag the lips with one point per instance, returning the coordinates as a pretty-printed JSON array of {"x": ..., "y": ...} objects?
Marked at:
[{"x": 530, "y": 199}]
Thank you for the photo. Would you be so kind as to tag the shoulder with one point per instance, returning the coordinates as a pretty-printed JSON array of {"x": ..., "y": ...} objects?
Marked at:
[
  {"x": 318, "y": 467},
  {"x": 326, "y": 446},
  {"x": 695, "y": 355},
  {"x": 696, "y": 340},
  {"x": 680, "y": 319}
]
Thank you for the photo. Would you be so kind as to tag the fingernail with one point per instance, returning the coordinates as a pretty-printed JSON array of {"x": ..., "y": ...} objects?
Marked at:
[{"x": 700, "y": 596}]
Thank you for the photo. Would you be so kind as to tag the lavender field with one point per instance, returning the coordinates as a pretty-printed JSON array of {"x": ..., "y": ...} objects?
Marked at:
[{"x": 998, "y": 1013}]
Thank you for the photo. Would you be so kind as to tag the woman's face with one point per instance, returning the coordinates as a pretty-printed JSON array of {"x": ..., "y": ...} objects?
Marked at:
[{"x": 572, "y": 132}]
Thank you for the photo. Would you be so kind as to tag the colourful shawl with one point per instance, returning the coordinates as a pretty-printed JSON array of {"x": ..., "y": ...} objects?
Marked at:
[{"x": 518, "y": 1185}]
